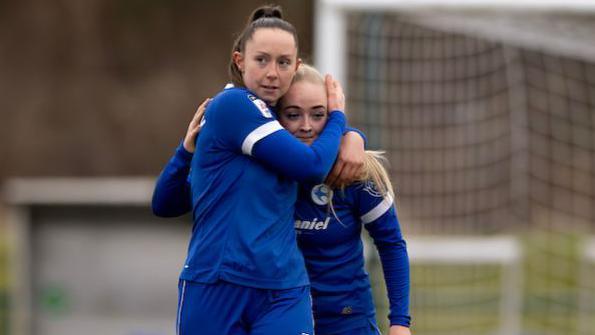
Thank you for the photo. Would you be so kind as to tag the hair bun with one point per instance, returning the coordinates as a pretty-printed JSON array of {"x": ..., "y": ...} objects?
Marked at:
[{"x": 266, "y": 12}]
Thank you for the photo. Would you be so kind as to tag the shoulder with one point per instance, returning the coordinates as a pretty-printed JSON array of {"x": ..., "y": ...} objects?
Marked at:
[
  {"x": 231, "y": 95},
  {"x": 367, "y": 188},
  {"x": 236, "y": 98}
]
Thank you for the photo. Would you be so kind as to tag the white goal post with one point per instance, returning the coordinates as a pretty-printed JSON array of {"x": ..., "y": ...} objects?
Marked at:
[
  {"x": 586, "y": 300},
  {"x": 503, "y": 251},
  {"x": 330, "y": 33}
]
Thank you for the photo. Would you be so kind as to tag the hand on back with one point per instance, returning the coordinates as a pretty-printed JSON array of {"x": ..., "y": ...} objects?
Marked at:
[{"x": 194, "y": 127}]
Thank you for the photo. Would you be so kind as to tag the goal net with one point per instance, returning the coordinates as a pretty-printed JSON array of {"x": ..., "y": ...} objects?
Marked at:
[{"x": 487, "y": 113}]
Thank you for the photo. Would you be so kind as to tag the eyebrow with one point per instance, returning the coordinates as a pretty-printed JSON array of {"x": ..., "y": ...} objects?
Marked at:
[
  {"x": 298, "y": 107},
  {"x": 269, "y": 55},
  {"x": 291, "y": 106}
]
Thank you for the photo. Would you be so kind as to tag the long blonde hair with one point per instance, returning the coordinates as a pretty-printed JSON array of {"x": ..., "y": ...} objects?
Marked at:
[{"x": 375, "y": 171}]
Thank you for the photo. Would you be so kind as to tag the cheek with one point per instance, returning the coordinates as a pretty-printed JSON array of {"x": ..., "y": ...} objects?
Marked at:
[
  {"x": 289, "y": 125},
  {"x": 318, "y": 126},
  {"x": 250, "y": 73},
  {"x": 286, "y": 78}
]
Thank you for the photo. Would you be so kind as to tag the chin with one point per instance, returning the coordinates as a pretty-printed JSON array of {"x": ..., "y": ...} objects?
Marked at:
[{"x": 269, "y": 98}]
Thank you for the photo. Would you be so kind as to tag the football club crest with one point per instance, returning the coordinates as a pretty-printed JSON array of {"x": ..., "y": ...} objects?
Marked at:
[
  {"x": 371, "y": 188},
  {"x": 261, "y": 105},
  {"x": 320, "y": 194}
]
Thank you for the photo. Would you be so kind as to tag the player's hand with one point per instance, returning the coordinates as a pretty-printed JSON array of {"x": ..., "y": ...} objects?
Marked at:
[
  {"x": 399, "y": 330},
  {"x": 334, "y": 92},
  {"x": 350, "y": 162},
  {"x": 194, "y": 127}
]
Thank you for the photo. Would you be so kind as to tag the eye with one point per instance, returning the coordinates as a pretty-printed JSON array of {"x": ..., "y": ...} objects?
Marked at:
[
  {"x": 284, "y": 63},
  {"x": 319, "y": 114},
  {"x": 292, "y": 116},
  {"x": 261, "y": 60},
  {"x": 291, "y": 113}
]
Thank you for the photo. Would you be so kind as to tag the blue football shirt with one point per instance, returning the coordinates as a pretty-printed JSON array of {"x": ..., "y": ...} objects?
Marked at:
[
  {"x": 243, "y": 188},
  {"x": 332, "y": 247}
]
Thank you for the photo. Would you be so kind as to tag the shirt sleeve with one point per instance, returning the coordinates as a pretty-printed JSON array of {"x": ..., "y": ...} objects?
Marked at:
[
  {"x": 171, "y": 196},
  {"x": 245, "y": 124},
  {"x": 379, "y": 217}
]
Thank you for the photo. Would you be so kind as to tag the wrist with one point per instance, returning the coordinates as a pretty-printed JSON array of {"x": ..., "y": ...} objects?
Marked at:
[
  {"x": 183, "y": 153},
  {"x": 402, "y": 321},
  {"x": 361, "y": 134}
]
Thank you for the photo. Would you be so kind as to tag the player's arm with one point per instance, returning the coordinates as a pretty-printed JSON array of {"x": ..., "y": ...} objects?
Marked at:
[
  {"x": 298, "y": 161},
  {"x": 378, "y": 215},
  {"x": 171, "y": 196},
  {"x": 350, "y": 161},
  {"x": 243, "y": 125}
]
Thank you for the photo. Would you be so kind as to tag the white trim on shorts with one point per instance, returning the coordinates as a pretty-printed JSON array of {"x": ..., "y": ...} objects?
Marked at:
[
  {"x": 375, "y": 327},
  {"x": 180, "y": 307}
]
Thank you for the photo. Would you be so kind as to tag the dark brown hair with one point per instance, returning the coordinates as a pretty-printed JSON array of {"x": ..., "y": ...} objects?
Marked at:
[{"x": 268, "y": 16}]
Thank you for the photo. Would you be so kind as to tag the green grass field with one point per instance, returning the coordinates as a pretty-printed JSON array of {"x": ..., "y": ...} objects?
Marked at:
[{"x": 465, "y": 299}]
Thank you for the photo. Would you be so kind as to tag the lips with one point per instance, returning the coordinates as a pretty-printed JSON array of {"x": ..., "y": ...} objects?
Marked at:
[
  {"x": 269, "y": 88},
  {"x": 305, "y": 139}
]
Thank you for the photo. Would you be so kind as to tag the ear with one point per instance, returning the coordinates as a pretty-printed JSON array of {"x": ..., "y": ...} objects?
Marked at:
[
  {"x": 238, "y": 60},
  {"x": 298, "y": 63}
]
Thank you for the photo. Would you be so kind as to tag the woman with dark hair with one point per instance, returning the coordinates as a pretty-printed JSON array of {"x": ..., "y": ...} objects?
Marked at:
[
  {"x": 244, "y": 273},
  {"x": 328, "y": 221}
]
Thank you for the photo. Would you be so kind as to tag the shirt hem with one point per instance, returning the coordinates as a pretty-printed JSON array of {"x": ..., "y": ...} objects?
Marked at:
[{"x": 254, "y": 282}]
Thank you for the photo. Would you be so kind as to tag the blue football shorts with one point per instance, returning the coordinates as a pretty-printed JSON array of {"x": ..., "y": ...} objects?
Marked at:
[
  {"x": 224, "y": 308},
  {"x": 370, "y": 329}
]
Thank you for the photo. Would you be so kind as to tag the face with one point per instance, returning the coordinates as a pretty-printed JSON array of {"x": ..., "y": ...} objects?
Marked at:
[
  {"x": 303, "y": 110},
  {"x": 268, "y": 63}
]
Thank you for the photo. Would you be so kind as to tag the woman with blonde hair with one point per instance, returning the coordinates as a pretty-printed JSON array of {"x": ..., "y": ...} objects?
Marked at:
[{"x": 329, "y": 222}]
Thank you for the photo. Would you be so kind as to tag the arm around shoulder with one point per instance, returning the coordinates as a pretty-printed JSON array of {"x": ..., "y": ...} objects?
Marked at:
[{"x": 171, "y": 196}]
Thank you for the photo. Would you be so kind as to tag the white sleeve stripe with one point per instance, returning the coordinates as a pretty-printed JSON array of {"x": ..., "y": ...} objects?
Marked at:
[
  {"x": 377, "y": 211},
  {"x": 258, "y": 134}
]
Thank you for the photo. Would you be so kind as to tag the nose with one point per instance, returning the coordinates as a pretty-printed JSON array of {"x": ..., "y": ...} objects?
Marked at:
[
  {"x": 272, "y": 71},
  {"x": 306, "y": 125}
]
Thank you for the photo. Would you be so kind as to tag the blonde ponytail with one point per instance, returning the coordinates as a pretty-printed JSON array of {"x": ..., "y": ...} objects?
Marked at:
[{"x": 375, "y": 172}]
